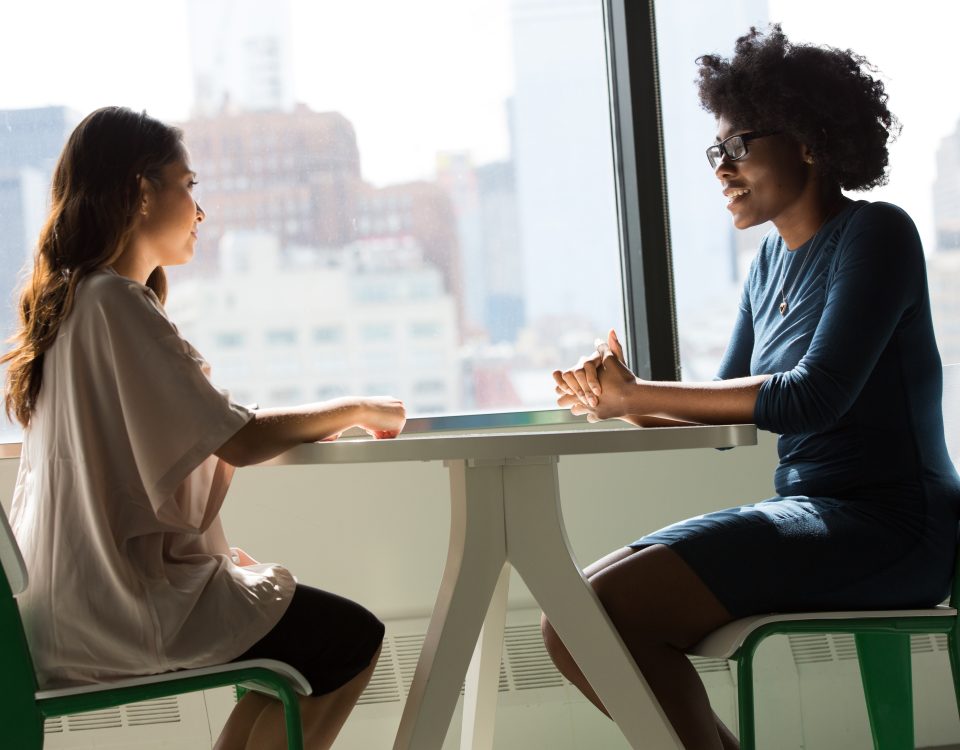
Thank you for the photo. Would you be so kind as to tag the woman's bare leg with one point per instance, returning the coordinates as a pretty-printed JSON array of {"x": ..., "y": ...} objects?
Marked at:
[
  {"x": 660, "y": 607},
  {"x": 241, "y": 720},
  {"x": 323, "y": 717}
]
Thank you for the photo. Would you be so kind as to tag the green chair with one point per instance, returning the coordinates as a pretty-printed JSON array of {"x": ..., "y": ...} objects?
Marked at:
[
  {"x": 882, "y": 637},
  {"x": 23, "y": 707}
]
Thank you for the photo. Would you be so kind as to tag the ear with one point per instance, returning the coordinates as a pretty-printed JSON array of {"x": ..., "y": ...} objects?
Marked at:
[
  {"x": 806, "y": 154},
  {"x": 147, "y": 191}
]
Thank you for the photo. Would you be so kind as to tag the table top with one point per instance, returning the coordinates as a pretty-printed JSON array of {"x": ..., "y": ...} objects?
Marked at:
[{"x": 517, "y": 443}]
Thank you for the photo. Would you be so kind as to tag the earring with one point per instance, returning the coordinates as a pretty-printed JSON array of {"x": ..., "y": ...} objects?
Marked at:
[{"x": 808, "y": 159}]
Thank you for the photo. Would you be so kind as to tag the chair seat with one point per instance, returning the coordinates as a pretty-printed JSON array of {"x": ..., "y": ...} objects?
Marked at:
[
  {"x": 724, "y": 642},
  {"x": 299, "y": 682}
]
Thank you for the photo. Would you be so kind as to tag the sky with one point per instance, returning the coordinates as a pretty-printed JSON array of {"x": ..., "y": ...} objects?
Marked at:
[{"x": 420, "y": 77}]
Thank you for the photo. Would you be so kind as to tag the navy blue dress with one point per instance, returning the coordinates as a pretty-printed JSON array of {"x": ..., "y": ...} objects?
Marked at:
[{"x": 868, "y": 499}]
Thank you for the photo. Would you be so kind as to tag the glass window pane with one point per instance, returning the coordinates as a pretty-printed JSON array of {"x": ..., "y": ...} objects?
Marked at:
[
  {"x": 436, "y": 172},
  {"x": 911, "y": 50}
]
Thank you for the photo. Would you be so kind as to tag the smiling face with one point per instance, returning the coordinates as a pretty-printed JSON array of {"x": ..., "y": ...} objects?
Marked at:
[
  {"x": 772, "y": 182},
  {"x": 170, "y": 215}
]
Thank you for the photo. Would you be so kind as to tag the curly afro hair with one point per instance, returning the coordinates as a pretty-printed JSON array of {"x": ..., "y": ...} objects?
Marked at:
[{"x": 822, "y": 96}]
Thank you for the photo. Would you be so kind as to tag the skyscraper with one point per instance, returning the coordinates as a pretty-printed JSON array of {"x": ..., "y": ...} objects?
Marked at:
[
  {"x": 295, "y": 174},
  {"x": 563, "y": 159},
  {"x": 946, "y": 193},
  {"x": 240, "y": 55},
  {"x": 30, "y": 142},
  {"x": 944, "y": 264}
]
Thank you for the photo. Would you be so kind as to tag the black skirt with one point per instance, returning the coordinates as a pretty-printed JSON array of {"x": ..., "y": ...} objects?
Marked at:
[{"x": 329, "y": 639}]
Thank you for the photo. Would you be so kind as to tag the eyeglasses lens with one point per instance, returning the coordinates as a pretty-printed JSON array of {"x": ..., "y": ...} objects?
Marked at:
[{"x": 735, "y": 147}]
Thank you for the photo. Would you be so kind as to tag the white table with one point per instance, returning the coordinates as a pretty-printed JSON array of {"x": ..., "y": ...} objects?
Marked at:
[{"x": 505, "y": 511}]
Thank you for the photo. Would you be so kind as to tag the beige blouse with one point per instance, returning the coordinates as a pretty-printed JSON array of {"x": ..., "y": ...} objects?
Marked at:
[{"x": 117, "y": 501}]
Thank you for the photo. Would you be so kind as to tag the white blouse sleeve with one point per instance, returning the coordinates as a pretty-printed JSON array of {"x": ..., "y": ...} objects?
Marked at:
[{"x": 173, "y": 416}]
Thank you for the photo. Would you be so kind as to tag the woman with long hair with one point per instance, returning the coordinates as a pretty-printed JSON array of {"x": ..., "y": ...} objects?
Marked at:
[
  {"x": 128, "y": 451},
  {"x": 833, "y": 349}
]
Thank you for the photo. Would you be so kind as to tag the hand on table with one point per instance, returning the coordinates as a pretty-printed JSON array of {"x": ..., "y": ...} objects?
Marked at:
[
  {"x": 382, "y": 416},
  {"x": 598, "y": 384}
]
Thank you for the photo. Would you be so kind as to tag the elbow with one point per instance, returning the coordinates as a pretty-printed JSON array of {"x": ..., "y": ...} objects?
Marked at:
[
  {"x": 240, "y": 449},
  {"x": 787, "y": 407}
]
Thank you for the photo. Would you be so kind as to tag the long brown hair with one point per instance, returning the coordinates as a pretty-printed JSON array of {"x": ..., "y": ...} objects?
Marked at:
[{"x": 94, "y": 201}]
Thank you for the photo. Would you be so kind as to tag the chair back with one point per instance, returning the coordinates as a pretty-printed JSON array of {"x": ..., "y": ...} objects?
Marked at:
[
  {"x": 19, "y": 715},
  {"x": 10, "y": 558}
]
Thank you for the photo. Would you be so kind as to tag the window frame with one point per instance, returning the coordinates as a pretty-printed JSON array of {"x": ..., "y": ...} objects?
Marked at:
[{"x": 647, "y": 284}]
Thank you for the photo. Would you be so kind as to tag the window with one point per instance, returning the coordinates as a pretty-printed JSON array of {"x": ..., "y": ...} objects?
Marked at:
[
  {"x": 489, "y": 215},
  {"x": 912, "y": 50},
  {"x": 327, "y": 335},
  {"x": 229, "y": 340},
  {"x": 281, "y": 337}
]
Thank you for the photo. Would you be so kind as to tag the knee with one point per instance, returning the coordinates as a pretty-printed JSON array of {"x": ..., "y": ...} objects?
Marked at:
[{"x": 551, "y": 641}]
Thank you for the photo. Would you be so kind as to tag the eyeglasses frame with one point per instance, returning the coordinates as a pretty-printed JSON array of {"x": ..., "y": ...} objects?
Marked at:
[{"x": 745, "y": 137}]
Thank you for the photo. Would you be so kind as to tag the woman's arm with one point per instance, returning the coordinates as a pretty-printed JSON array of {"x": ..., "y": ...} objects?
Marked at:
[
  {"x": 602, "y": 387},
  {"x": 715, "y": 402},
  {"x": 273, "y": 431}
]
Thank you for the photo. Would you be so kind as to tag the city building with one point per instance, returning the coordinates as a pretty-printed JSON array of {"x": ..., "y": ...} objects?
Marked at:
[
  {"x": 946, "y": 193},
  {"x": 420, "y": 210},
  {"x": 30, "y": 143},
  {"x": 294, "y": 174},
  {"x": 303, "y": 324},
  {"x": 240, "y": 55}
]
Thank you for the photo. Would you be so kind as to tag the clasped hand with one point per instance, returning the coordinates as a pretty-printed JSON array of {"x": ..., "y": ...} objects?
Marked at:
[{"x": 599, "y": 384}]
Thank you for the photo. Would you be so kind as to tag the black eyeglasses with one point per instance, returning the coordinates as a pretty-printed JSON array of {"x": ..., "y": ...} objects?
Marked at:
[{"x": 734, "y": 147}]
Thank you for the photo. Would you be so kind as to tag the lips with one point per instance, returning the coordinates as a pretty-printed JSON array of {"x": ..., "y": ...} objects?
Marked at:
[{"x": 735, "y": 194}]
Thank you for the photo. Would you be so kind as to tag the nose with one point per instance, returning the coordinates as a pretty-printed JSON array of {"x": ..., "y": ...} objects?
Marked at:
[
  {"x": 725, "y": 168},
  {"x": 201, "y": 214}
]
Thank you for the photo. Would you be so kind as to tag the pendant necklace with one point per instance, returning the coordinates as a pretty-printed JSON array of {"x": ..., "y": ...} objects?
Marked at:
[{"x": 784, "y": 306}]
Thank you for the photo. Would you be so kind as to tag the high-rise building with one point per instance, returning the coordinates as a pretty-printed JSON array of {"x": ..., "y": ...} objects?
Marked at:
[
  {"x": 504, "y": 312},
  {"x": 563, "y": 161},
  {"x": 484, "y": 201},
  {"x": 457, "y": 177},
  {"x": 310, "y": 324},
  {"x": 295, "y": 174},
  {"x": 30, "y": 143},
  {"x": 419, "y": 210},
  {"x": 241, "y": 56},
  {"x": 946, "y": 193},
  {"x": 943, "y": 266}
]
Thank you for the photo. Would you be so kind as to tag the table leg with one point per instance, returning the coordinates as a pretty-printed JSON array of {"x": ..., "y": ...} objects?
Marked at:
[
  {"x": 537, "y": 547},
  {"x": 475, "y": 560},
  {"x": 483, "y": 676}
]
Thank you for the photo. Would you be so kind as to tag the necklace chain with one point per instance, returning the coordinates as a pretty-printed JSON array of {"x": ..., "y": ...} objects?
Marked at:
[{"x": 784, "y": 305}]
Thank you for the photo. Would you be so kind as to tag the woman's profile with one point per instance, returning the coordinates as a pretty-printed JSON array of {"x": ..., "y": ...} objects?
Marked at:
[
  {"x": 833, "y": 349},
  {"x": 128, "y": 452}
]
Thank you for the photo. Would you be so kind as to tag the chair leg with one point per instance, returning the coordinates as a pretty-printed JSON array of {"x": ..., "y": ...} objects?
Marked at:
[
  {"x": 885, "y": 670},
  {"x": 24, "y": 732},
  {"x": 953, "y": 647},
  {"x": 291, "y": 718},
  {"x": 745, "y": 707}
]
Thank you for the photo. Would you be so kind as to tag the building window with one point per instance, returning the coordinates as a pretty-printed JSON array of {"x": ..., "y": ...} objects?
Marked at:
[
  {"x": 281, "y": 337},
  {"x": 229, "y": 340}
]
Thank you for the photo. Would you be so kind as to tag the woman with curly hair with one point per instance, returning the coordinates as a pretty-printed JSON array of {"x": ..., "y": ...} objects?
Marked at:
[{"x": 833, "y": 349}]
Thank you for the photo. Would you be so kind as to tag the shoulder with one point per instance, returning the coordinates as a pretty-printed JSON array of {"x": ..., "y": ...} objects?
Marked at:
[
  {"x": 879, "y": 218},
  {"x": 107, "y": 290},
  {"x": 105, "y": 298}
]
